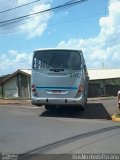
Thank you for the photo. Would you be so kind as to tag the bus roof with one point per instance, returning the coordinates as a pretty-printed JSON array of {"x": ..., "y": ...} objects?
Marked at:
[{"x": 67, "y": 49}]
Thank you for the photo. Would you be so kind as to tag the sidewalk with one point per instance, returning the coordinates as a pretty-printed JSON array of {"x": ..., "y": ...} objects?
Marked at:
[
  {"x": 101, "y": 98},
  {"x": 15, "y": 101}
]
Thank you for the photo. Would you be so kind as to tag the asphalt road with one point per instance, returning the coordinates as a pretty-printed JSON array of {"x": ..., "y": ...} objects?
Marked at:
[{"x": 29, "y": 129}]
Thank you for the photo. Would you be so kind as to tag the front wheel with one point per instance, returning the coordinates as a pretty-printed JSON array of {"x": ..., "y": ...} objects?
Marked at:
[{"x": 50, "y": 107}]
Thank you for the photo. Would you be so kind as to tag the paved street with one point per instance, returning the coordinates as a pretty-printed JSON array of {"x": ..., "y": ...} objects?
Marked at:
[{"x": 28, "y": 128}]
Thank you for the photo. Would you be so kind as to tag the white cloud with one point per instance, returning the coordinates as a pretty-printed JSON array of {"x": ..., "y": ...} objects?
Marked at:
[
  {"x": 20, "y": 2},
  {"x": 38, "y": 23},
  {"x": 15, "y": 60},
  {"x": 34, "y": 25},
  {"x": 105, "y": 47}
]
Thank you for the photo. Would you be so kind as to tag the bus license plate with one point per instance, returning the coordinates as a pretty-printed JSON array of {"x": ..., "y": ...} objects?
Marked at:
[{"x": 56, "y": 91}]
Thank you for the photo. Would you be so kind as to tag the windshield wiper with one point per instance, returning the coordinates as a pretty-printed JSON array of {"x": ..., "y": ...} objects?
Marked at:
[{"x": 56, "y": 69}]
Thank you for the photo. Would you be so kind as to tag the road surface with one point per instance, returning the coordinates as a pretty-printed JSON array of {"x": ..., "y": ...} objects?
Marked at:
[{"x": 29, "y": 129}]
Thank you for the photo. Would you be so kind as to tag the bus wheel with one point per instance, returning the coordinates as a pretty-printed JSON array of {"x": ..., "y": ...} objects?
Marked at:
[
  {"x": 50, "y": 107},
  {"x": 86, "y": 101},
  {"x": 80, "y": 108}
]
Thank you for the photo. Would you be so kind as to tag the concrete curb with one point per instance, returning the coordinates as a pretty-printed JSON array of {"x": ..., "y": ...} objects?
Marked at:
[
  {"x": 101, "y": 98},
  {"x": 14, "y": 102},
  {"x": 19, "y": 104},
  {"x": 115, "y": 118}
]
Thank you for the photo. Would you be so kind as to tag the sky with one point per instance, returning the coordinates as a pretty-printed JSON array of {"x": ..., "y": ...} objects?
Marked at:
[{"x": 93, "y": 26}]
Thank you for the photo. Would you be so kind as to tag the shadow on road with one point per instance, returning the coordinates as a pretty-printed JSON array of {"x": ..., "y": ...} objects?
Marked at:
[{"x": 92, "y": 111}]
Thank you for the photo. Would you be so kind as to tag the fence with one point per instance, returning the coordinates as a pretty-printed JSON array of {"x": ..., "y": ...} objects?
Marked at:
[
  {"x": 111, "y": 90},
  {"x": 94, "y": 90}
]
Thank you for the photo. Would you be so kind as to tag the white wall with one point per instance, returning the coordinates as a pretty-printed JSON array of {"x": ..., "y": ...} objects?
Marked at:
[
  {"x": 0, "y": 92},
  {"x": 10, "y": 88}
]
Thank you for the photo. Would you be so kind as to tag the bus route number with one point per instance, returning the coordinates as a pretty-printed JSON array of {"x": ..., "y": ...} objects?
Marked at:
[{"x": 75, "y": 75}]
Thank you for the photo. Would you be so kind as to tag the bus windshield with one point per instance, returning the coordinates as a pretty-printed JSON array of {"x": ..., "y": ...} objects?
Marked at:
[{"x": 57, "y": 59}]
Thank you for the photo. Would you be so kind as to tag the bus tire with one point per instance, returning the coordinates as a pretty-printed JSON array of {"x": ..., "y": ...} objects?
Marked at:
[
  {"x": 86, "y": 101},
  {"x": 80, "y": 108}
]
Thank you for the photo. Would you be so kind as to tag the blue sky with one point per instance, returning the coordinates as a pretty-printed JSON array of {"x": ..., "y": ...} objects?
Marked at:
[{"x": 92, "y": 26}]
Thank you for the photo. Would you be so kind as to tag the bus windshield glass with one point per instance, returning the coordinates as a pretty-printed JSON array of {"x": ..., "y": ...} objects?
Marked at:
[{"x": 57, "y": 59}]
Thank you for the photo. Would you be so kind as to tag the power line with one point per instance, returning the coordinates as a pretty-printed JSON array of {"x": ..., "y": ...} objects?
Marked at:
[
  {"x": 5, "y": 29},
  {"x": 60, "y": 7},
  {"x": 7, "y": 10},
  {"x": 106, "y": 34},
  {"x": 54, "y": 24},
  {"x": 104, "y": 59}
]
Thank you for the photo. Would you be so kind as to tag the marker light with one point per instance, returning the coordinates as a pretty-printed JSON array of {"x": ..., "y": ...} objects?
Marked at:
[
  {"x": 33, "y": 88},
  {"x": 35, "y": 94},
  {"x": 80, "y": 89}
]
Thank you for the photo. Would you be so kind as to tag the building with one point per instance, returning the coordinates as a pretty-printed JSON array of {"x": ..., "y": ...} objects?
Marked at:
[
  {"x": 102, "y": 82},
  {"x": 16, "y": 85}
]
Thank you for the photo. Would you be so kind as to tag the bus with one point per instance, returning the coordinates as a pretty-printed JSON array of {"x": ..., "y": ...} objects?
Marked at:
[{"x": 59, "y": 78}]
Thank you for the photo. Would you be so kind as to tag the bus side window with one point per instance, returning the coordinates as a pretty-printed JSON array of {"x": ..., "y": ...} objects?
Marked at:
[
  {"x": 39, "y": 64},
  {"x": 34, "y": 63}
]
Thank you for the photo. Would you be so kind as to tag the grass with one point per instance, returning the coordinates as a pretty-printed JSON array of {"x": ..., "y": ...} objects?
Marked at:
[{"x": 117, "y": 115}]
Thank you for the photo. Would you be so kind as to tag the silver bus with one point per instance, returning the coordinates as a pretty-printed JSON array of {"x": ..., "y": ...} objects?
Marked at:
[{"x": 59, "y": 78}]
